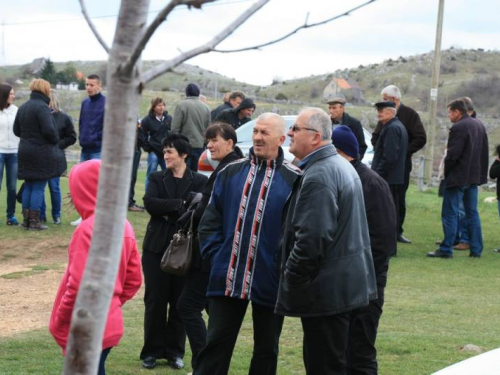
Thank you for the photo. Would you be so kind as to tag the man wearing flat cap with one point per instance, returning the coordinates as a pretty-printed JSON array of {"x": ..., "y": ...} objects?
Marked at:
[
  {"x": 390, "y": 151},
  {"x": 336, "y": 107},
  {"x": 239, "y": 115},
  {"x": 363, "y": 325}
]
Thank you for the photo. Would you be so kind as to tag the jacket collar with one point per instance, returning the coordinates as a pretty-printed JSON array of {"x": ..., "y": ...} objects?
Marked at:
[
  {"x": 183, "y": 184},
  {"x": 320, "y": 153},
  {"x": 40, "y": 96},
  {"x": 272, "y": 163}
]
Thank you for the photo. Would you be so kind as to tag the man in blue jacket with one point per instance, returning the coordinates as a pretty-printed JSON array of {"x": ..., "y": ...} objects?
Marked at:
[
  {"x": 240, "y": 236},
  {"x": 92, "y": 119}
]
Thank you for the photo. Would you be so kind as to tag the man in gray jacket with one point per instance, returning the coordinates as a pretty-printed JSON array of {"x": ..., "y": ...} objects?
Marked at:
[
  {"x": 327, "y": 268},
  {"x": 191, "y": 118}
]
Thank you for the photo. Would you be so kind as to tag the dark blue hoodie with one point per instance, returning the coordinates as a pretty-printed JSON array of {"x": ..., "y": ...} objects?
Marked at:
[{"x": 92, "y": 122}]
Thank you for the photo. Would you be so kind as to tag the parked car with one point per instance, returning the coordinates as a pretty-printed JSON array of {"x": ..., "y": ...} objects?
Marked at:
[{"x": 206, "y": 165}]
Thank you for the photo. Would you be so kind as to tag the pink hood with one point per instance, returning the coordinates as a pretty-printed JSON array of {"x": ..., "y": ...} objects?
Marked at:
[{"x": 83, "y": 182}]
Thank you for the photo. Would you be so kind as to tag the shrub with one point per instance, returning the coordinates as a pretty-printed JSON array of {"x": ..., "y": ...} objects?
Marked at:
[{"x": 281, "y": 96}]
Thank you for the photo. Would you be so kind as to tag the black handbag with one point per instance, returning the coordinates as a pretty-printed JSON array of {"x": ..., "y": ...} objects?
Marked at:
[
  {"x": 179, "y": 254},
  {"x": 19, "y": 195}
]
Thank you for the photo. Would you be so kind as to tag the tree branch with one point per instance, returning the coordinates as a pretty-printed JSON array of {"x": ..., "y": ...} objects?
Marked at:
[
  {"x": 92, "y": 26},
  {"x": 159, "y": 19},
  {"x": 169, "y": 64},
  {"x": 304, "y": 26}
]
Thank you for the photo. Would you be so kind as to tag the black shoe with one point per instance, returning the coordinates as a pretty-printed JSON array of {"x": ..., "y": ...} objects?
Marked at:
[
  {"x": 176, "y": 363},
  {"x": 439, "y": 254},
  {"x": 149, "y": 363},
  {"x": 403, "y": 239},
  {"x": 472, "y": 255}
]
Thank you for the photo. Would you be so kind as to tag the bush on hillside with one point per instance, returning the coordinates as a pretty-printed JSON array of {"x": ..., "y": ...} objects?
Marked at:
[
  {"x": 484, "y": 91},
  {"x": 281, "y": 96}
]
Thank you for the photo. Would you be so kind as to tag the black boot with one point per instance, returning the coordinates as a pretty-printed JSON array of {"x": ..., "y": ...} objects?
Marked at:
[
  {"x": 26, "y": 218},
  {"x": 35, "y": 223}
]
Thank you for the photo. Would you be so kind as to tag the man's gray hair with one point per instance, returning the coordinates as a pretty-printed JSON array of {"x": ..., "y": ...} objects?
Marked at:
[
  {"x": 320, "y": 121},
  {"x": 280, "y": 121},
  {"x": 392, "y": 91}
]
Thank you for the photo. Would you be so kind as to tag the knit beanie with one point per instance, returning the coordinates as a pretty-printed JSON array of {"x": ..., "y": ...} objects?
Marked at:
[
  {"x": 192, "y": 90},
  {"x": 344, "y": 139},
  {"x": 247, "y": 103}
]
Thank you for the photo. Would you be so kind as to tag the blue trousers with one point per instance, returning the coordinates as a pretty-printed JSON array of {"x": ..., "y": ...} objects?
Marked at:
[
  {"x": 153, "y": 162},
  {"x": 9, "y": 163},
  {"x": 450, "y": 218},
  {"x": 33, "y": 194},
  {"x": 55, "y": 198}
]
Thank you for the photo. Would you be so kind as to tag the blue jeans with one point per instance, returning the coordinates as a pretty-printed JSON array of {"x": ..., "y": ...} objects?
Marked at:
[
  {"x": 463, "y": 225},
  {"x": 89, "y": 155},
  {"x": 153, "y": 162},
  {"x": 450, "y": 218},
  {"x": 55, "y": 198},
  {"x": 9, "y": 161},
  {"x": 33, "y": 194},
  {"x": 193, "y": 159},
  {"x": 102, "y": 361}
]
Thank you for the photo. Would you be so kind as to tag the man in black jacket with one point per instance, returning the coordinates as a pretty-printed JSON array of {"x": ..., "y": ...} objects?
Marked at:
[
  {"x": 327, "y": 268},
  {"x": 336, "y": 107},
  {"x": 361, "y": 351},
  {"x": 465, "y": 168},
  {"x": 235, "y": 98},
  {"x": 416, "y": 141},
  {"x": 239, "y": 115},
  {"x": 390, "y": 153}
]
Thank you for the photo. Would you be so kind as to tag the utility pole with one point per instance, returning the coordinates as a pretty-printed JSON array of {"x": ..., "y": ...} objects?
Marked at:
[{"x": 431, "y": 129}]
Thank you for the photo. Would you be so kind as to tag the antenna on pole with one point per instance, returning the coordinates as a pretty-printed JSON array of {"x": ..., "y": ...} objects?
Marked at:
[{"x": 2, "y": 57}]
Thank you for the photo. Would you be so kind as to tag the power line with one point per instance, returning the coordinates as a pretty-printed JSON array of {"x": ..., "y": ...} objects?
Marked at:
[{"x": 116, "y": 15}]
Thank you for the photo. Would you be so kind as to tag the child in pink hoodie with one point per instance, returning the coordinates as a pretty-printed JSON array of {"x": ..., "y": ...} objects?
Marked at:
[{"x": 83, "y": 182}]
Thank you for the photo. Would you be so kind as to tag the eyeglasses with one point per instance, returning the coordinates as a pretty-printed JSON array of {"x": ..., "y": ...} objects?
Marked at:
[{"x": 295, "y": 128}]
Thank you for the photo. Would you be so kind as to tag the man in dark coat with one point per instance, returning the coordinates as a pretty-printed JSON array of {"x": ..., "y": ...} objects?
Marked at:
[
  {"x": 389, "y": 159},
  {"x": 239, "y": 115},
  {"x": 361, "y": 351},
  {"x": 465, "y": 168},
  {"x": 416, "y": 141},
  {"x": 327, "y": 268},
  {"x": 234, "y": 100},
  {"x": 336, "y": 107}
]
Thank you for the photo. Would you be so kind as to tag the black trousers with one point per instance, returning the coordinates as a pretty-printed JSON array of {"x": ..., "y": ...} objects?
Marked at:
[
  {"x": 402, "y": 198},
  {"x": 190, "y": 306},
  {"x": 164, "y": 335},
  {"x": 398, "y": 193},
  {"x": 361, "y": 351},
  {"x": 325, "y": 344},
  {"x": 135, "y": 167},
  {"x": 224, "y": 323}
]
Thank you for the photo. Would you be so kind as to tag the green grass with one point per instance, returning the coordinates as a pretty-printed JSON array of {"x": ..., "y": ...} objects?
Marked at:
[{"x": 433, "y": 306}]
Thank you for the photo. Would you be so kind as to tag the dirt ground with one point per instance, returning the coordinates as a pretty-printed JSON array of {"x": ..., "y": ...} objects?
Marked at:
[{"x": 30, "y": 272}]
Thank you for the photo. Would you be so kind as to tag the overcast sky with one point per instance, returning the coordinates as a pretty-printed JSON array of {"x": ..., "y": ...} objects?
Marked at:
[{"x": 382, "y": 30}]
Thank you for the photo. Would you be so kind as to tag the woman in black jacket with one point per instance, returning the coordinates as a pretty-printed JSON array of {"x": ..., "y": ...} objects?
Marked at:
[
  {"x": 495, "y": 173},
  {"x": 155, "y": 127},
  {"x": 167, "y": 196},
  {"x": 221, "y": 140},
  {"x": 39, "y": 155},
  {"x": 67, "y": 137}
]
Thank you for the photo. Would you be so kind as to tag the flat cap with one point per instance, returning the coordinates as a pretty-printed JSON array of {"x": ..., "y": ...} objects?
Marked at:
[
  {"x": 336, "y": 99},
  {"x": 385, "y": 104}
]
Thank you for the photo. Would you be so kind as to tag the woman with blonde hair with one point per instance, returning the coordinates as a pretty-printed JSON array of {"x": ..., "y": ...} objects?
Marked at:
[
  {"x": 39, "y": 156},
  {"x": 67, "y": 137}
]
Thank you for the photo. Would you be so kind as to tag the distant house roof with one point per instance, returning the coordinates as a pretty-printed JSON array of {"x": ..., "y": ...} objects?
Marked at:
[
  {"x": 37, "y": 65},
  {"x": 342, "y": 83},
  {"x": 80, "y": 75}
]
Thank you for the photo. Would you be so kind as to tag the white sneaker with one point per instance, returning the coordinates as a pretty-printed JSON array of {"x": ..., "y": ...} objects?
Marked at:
[{"x": 76, "y": 222}]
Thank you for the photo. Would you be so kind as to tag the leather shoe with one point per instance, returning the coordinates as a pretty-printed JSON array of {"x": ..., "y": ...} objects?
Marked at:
[
  {"x": 403, "y": 239},
  {"x": 473, "y": 255},
  {"x": 175, "y": 363},
  {"x": 439, "y": 254},
  {"x": 149, "y": 363},
  {"x": 461, "y": 246}
]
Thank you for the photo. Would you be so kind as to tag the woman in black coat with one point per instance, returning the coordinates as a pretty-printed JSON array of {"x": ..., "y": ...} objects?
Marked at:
[
  {"x": 221, "y": 140},
  {"x": 39, "y": 155},
  {"x": 166, "y": 199},
  {"x": 67, "y": 137}
]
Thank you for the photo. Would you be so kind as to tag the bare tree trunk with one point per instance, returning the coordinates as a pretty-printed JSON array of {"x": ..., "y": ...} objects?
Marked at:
[{"x": 96, "y": 289}]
